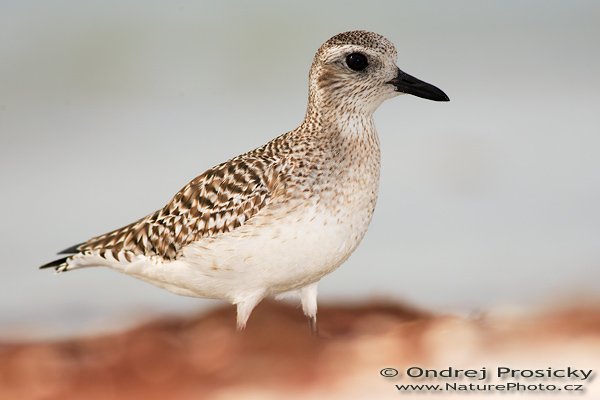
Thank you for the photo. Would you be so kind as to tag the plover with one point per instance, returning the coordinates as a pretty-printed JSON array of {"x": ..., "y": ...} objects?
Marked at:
[{"x": 276, "y": 219}]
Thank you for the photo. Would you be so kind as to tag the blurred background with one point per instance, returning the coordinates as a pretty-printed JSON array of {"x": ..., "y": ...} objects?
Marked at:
[{"x": 108, "y": 108}]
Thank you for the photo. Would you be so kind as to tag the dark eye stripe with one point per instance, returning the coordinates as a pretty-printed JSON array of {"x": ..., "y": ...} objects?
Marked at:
[{"x": 357, "y": 61}]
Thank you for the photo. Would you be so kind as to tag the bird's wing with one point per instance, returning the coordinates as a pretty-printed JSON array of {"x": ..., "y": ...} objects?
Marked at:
[{"x": 218, "y": 201}]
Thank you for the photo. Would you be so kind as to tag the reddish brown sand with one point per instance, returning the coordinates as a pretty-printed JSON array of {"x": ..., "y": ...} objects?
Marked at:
[{"x": 202, "y": 357}]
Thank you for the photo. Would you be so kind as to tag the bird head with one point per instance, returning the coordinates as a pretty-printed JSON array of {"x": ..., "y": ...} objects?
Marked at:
[{"x": 356, "y": 71}]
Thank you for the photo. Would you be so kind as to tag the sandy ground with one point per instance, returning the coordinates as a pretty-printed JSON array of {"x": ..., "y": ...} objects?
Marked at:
[{"x": 202, "y": 357}]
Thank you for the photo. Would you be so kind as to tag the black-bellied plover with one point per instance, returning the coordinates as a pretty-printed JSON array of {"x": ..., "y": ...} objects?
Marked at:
[{"x": 278, "y": 218}]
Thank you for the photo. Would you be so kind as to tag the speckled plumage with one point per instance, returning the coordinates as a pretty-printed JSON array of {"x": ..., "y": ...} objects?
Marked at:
[{"x": 278, "y": 218}]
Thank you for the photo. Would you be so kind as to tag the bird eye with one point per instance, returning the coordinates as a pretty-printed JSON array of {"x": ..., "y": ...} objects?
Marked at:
[{"x": 357, "y": 61}]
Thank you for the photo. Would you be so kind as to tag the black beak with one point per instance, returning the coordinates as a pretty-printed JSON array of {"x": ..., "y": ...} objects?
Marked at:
[{"x": 406, "y": 83}]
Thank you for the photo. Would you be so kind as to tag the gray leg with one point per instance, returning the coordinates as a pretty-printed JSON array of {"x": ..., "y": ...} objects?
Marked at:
[{"x": 312, "y": 325}]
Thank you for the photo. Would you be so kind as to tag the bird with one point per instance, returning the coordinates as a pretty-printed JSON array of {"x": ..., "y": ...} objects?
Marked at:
[{"x": 275, "y": 220}]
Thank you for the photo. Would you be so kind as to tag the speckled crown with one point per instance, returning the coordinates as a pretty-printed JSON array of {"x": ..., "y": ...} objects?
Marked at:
[{"x": 360, "y": 38}]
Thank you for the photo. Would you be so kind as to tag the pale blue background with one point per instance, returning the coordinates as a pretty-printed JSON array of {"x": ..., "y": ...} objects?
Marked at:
[{"x": 107, "y": 109}]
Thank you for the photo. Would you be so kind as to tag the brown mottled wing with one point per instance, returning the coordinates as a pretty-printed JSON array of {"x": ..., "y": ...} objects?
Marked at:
[{"x": 218, "y": 201}]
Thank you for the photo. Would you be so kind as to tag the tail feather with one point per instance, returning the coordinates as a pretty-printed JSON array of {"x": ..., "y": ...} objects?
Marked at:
[
  {"x": 61, "y": 264},
  {"x": 56, "y": 264},
  {"x": 72, "y": 249}
]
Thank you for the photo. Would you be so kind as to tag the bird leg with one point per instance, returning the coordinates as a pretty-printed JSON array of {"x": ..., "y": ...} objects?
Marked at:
[
  {"x": 308, "y": 298},
  {"x": 245, "y": 307}
]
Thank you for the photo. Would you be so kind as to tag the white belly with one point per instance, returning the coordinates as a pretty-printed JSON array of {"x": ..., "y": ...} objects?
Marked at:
[{"x": 274, "y": 253}]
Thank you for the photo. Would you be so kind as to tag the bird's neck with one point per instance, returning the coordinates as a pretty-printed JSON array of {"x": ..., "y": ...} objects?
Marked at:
[{"x": 345, "y": 120}]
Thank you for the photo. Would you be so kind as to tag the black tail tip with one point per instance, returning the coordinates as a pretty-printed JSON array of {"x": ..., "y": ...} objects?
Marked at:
[
  {"x": 61, "y": 262},
  {"x": 55, "y": 264},
  {"x": 71, "y": 250}
]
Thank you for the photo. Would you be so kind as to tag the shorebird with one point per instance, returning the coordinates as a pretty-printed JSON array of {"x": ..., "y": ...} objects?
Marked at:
[{"x": 274, "y": 220}]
